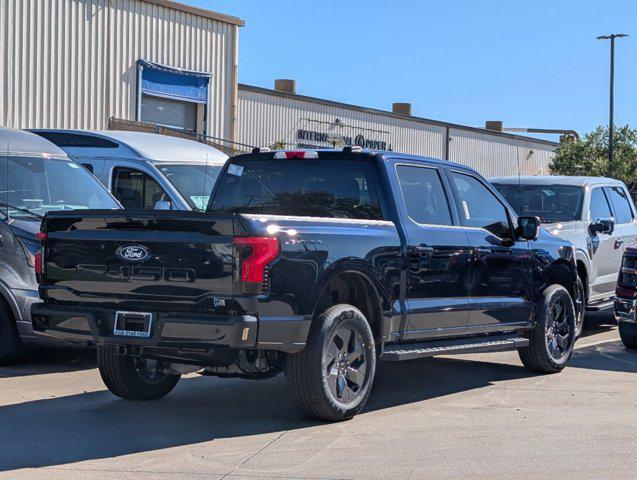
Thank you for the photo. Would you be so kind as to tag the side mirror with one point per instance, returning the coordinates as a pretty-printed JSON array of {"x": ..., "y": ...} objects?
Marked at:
[
  {"x": 162, "y": 205},
  {"x": 529, "y": 227},
  {"x": 603, "y": 225}
]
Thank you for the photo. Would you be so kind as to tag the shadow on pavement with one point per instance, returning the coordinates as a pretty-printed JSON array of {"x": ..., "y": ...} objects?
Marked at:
[
  {"x": 44, "y": 359},
  {"x": 609, "y": 356},
  {"x": 96, "y": 425}
]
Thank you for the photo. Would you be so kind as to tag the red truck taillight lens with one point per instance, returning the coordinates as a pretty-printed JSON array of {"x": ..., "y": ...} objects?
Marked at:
[
  {"x": 37, "y": 261},
  {"x": 262, "y": 250}
]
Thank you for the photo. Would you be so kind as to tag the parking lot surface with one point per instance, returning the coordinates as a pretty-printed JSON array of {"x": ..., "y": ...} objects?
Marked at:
[{"x": 472, "y": 416}]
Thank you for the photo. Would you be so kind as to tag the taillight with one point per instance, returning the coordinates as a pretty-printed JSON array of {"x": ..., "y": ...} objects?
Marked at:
[
  {"x": 37, "y": 263},
  {"x": 262, "y": 250},
  {"x": 41, "y": 236}
]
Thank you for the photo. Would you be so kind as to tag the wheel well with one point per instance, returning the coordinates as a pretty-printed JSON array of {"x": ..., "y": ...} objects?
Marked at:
[
  {"x": 561, "y": 275},
  {"x": 583, "y": 275},
  {"x": 356, "y": 290}
]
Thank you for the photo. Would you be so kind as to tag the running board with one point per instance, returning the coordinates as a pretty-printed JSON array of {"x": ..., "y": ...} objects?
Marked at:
[
  {"x": 408, "y": 351},
  {"x": 596, "y": 307}
]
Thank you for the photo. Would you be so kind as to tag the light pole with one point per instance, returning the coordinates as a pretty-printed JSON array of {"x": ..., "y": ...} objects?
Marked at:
[{"x": 612, "y": 38}]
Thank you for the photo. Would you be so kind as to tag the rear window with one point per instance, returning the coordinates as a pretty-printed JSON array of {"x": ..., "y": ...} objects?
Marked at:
[{"x": 318, "y": 188}]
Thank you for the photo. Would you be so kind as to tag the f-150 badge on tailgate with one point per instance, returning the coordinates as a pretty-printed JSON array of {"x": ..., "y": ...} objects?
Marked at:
[{"x": 134, "y": 253}]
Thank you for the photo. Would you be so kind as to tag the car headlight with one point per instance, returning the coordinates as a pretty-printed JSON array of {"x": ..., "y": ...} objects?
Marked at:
[{"x": 30, "y": 247}]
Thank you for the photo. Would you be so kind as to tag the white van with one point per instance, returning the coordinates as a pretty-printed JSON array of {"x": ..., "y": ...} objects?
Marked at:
[{"x": 145, "y": 171}]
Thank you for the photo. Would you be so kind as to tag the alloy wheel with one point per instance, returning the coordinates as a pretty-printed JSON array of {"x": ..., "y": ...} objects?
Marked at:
[
  {"x": 559, "y": 330},
  {"x": 345, "y": 366}
]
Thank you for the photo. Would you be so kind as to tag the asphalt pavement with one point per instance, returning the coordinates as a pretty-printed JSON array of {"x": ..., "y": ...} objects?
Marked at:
[{"x": 473, "y": 416}]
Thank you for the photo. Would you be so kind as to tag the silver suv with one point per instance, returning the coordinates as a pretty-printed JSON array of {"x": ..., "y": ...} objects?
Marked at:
[
  {"x": 595, "y": 214},
  {"x": 35, "y": 177}
]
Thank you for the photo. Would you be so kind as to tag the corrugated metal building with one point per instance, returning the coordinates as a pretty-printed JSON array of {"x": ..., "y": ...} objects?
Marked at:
[
  {"x": 75, "y": 63},
  {"x": 268, "y": 117}
]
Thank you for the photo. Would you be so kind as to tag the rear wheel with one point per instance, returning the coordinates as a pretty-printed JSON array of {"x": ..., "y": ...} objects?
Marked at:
[
  {"x": 551, "y": 342},
  {"x": 628, "y": 334},
  {"x": 10, "y": 343},
  {"x": 331, "y": 379},
  {"x": 133, "y": 378}
]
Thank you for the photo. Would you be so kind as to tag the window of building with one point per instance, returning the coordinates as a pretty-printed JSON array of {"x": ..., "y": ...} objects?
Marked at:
[
  {"x": 135, "y": 190},
  {"x": 424, "y": 195}
]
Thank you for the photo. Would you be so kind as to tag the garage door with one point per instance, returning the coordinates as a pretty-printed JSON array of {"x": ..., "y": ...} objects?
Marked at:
[{"x": 168, "y": 112}]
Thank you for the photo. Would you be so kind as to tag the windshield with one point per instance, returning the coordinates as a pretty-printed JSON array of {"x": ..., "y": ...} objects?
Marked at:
[
  {"x": 322, "y": 188},
  {"x": 32, "y": 186},
  {"x": 552, "y": 203},
  {"x": 193, "y": 181}
]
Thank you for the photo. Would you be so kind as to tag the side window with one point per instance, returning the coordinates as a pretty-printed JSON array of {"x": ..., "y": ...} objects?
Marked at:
[
  {"x": 135, "y": 190},
  {"x": 599, "y": 207},
  {"x": 619, "y": 200},
  {"x": 424, "y": 195},
  {"x": 479, "y": 207}
]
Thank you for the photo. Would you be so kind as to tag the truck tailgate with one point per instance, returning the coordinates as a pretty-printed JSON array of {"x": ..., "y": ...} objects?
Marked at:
[{"x": 157, "y": 260}]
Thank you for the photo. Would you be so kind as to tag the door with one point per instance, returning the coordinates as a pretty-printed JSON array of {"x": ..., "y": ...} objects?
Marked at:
[
  {"x": 625, "y": 224},
  {"x": 605, "y": 249},
  {"x": 501, "y": 288},
  {"x": 438, "y": 257}
]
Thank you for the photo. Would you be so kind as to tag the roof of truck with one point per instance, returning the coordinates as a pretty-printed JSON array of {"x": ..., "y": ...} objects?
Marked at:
[
  {"x": 124, "y": 144},
  {"x": 555, "y": 180},
  {"x": 21, "y": 142}
]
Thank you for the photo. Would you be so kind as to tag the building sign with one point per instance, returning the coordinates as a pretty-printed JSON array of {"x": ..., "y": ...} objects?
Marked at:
[{"x": 313, "y": 139}]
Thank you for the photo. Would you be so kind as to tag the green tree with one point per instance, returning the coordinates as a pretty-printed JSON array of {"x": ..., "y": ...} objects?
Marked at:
[{"x": 589, "y": 156}]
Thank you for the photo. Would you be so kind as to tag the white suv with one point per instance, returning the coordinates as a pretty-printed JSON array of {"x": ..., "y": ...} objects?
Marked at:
[{"x": 595, "y": 214}]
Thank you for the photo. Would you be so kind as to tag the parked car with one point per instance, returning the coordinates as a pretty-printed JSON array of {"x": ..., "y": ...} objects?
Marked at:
[
  {"x": 35, "y": 177},
  {"x": 596, "y": 214},
  {"x": 145, "y": 170},
  {"x": 314, "y": 263},
  {"x": 626, "y": 299}
]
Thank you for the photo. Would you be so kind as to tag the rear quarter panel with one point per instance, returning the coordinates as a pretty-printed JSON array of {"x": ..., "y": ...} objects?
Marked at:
[{"x": 315, "y": 250}]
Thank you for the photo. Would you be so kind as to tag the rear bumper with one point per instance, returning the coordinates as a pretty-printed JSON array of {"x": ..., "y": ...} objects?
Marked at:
[
  {"x": 185, "y": 331},
  {"x": 625, "y": 310}
]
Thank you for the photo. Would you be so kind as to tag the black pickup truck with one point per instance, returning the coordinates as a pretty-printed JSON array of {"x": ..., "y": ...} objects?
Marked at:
[{"x": 313, "y": 263}]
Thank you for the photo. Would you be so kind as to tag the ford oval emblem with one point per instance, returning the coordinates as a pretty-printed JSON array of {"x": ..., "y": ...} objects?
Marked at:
[{"x": 133, "y": 253}]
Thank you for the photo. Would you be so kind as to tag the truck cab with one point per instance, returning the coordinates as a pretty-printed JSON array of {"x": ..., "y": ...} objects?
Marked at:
[
  {"x": 595, "y": 214},
  {"x": 144, "y": 170}
]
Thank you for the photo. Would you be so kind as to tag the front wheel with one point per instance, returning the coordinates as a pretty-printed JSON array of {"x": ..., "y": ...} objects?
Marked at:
[
  {"x": 133, "y": 378},
  {"x": 628, "y": 334},
  {"x": 331, "y": 379},
  {"x": 551, "y": 341}
]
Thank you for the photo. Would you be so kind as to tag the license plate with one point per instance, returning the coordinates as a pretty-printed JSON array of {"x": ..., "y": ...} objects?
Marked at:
[{"x": 133, "y": 324}]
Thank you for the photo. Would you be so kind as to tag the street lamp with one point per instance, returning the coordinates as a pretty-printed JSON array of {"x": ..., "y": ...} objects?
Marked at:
[{"x": 612, "y": 38}]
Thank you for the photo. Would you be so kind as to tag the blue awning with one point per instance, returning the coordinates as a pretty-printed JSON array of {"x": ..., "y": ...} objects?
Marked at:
[{"x": 169, "y": 82}]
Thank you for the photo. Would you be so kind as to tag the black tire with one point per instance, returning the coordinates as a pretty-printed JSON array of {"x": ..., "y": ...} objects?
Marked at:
[
  {"x": 580, "y": 308},
  {"x": 344, "y": 391},
  {"x": 10, "y": 343},
  {"x": 628, "y": 334},
  {"x": 124, "y": 378},
  {"x": 551, "y": 341}
]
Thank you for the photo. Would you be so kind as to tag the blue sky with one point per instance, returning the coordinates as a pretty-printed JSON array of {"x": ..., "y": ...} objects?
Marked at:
[{"x": 528, "y": 63}]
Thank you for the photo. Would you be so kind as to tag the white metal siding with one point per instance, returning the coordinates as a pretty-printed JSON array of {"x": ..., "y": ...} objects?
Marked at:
[
  {"x": 265, "y": 118},
  {"x": 72, "y": 63},
  {"x": 497, "y": 155}
]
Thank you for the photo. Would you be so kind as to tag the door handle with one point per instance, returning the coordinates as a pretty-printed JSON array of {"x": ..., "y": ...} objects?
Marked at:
[
  {"x": 618, "y": 243},
  {"x": 422, "y": 249}
]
